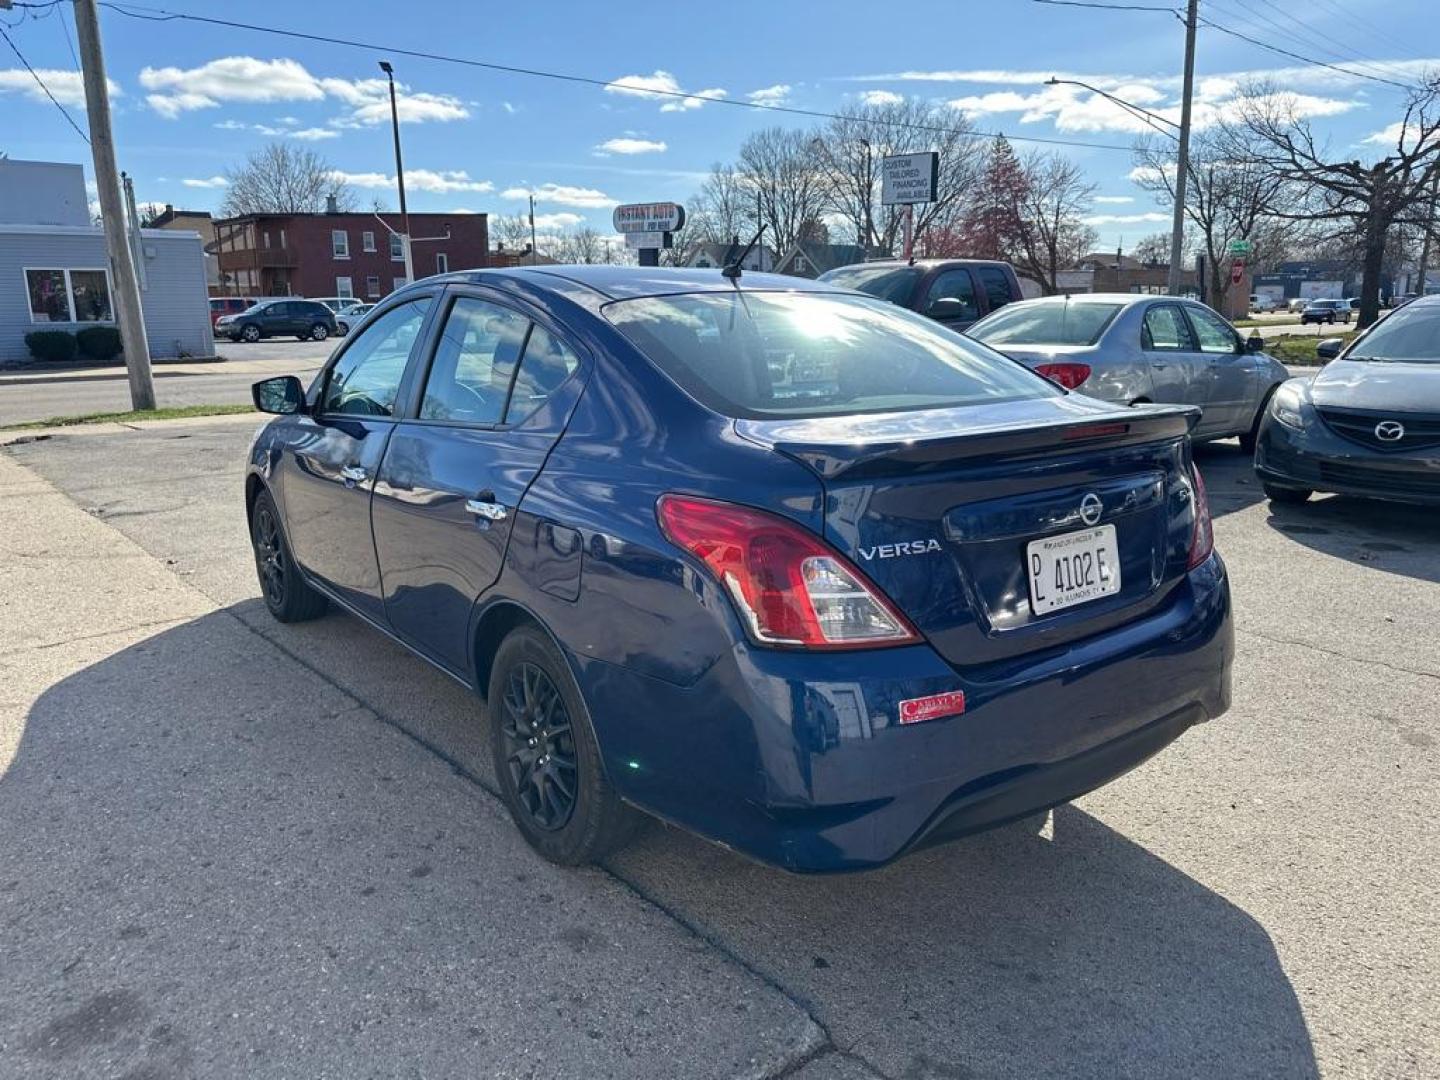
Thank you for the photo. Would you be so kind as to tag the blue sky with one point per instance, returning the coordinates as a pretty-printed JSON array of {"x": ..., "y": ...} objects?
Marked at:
[{"x": 192, "y": 99}]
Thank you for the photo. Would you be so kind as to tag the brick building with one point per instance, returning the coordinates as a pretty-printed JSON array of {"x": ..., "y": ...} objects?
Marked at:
[{"x": 340, "y": 254}]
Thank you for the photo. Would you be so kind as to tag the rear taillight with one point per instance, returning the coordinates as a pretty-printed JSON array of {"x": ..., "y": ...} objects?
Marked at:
[
  {"x": 790, "y": 587},
  {"x": 1202, "y": 537},
  {"x": 1067, "y": 375}
]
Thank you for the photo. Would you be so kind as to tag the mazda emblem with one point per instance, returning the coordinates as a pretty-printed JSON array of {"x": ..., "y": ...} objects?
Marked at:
[
  {"x": 1389, "y": 431},
  {"x": 1090, "y": 508}
]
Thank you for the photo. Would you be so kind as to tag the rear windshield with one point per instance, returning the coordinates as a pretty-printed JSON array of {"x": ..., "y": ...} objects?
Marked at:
[
  {"x": 1047, "y": 323},
  {"x": 893, "y": 283},
  {"x": 775, "y": 354}
]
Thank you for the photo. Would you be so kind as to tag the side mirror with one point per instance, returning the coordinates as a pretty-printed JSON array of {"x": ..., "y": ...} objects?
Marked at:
[
  {"x": 282, "y": 395},
  {"x": 1254, "y": 343},
  {"x": 947, "y": 309},
  {"x": 1329, "y": 349}
]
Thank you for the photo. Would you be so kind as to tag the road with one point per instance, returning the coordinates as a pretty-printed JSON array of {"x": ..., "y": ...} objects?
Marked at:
[
  {"x": 232, "y": 846},
  {"x": 27, "y": 397}
]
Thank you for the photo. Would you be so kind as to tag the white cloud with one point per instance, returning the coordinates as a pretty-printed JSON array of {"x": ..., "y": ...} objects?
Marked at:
[
  {"x": 67, "y": 86},
  {"x": 1126, "y": 219},
  {"x": 770, "y": 95},
  {"x": 441, "y": 182},
  {"x": 880, "y": 97},
  {"x": 310, "y": 134},
  {"x": 509, "y": 108},
  {"x": 629, "y": 145},
  {"x": 565, "y": 195},
  {"x": 560, "y": 220},
  {"x": 1218, "y": 85},
  {"x": 1145, "y": 174},
  {"x": 661, "y": 86},
  {"x": 174, "y": 91},
  {"x": 314, "y": 134},
  {"x": 207, "y": 182},
  {"x": 1115, "y": 199}
]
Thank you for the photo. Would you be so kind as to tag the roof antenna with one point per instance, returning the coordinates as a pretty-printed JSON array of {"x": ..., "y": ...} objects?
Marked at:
[{"x": 732, "y": 266}]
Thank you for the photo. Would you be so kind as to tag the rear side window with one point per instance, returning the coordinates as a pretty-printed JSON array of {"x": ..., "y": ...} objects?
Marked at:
[
  {"x": 546, "y": 364},
  {"x": 1164, "y": 330},
  {"x": 778, "y": 354},
  {"x": 996, "y": 284},
  {"x": 1046, "y": 322},
  {"x": 365, "y": 380},
  {"x": 474, "y": 363}
]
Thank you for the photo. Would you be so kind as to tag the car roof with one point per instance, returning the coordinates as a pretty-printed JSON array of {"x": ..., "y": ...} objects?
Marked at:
[
  {"x": 1123, "y": 298},
  {"x": 919, "y": 264},
  {"x": 629, "y": 282}
]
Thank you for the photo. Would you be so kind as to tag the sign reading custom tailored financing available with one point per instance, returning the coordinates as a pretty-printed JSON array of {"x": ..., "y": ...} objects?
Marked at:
[
  {"x": 657, "y": 217},
  {"x": 909, "y": 178}
]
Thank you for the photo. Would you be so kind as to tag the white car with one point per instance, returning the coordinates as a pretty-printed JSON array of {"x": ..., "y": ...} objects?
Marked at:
[
  {"x": 337, "y": 304},
  {"x": 1263, "y": 302},
  {"x": 351, "y": 316}
]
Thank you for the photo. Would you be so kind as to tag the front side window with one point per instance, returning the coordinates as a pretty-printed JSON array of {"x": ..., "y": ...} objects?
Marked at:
[
  {"x": 365, "y": 380},
  {"x": 1046, "y": 322},
  {"x": 1164, "y": 330},
  {"x": 340, "y": 243},
  {"x": 69, "y": 296},
  {"x": 951, "y": 297},
  {"x": 764, "y": 354},
  {"x": 1212, "y": 332},
  {"x": 474, "y": 363}
]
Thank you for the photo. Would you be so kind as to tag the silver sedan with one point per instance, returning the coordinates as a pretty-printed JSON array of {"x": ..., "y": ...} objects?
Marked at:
[{"x": 1132, "y": 348}]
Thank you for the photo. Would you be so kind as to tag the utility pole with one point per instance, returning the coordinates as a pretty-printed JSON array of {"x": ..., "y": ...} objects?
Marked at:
[
  {"x": 534, "y": 251},
  {"x": 1177, "y": 228},
  {"x": 399, "y": 174},
  {"x": 126, "y": 298}
]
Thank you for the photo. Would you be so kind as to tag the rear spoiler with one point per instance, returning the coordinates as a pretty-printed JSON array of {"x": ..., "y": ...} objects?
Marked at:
[{"x": 865, "y": 445}]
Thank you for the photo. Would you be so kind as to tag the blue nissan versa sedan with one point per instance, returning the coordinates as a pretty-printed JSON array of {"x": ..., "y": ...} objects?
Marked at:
[{"x": 781, "y": 563}]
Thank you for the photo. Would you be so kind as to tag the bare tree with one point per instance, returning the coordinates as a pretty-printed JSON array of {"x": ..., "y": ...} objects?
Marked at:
[
  {"x": 1364, "y": 200},
  {"x": 1152, "y": 249},
  {"x": 512, "y": 230},
  {"x": 1053, "y": 234},
  {"x": 283, "y": 179},
  {"x": 1230, "y": 194},
  {"x": 852, "y": 147},
  {"x": 783, "y": 174}
]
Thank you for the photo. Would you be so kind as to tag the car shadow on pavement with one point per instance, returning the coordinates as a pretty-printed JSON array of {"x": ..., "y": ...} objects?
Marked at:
[
  {"x": 1230, "y": 482},
  {"x": 1393, "y": 537}
]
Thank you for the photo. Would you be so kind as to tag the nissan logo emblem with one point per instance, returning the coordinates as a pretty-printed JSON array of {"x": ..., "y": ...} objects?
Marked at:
[
  {"x": 1389, "y": 431},
  {"x": 1091, "y": 508}
]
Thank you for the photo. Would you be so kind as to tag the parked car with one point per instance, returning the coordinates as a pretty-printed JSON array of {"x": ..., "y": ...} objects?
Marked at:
[
  {"x": 955, "y": 292},
  {"x": 304, "y": 319},
  {"x": 337, "y": 304},
  {"x": 926, "y": 593},
  {"x": 1325, "y": 311},
  {"x": 1298, "y": 304},
  {"x": 228, "y": 305},
  {"x": 1130, "y": 349},
  {"x": 351, "y": 316},
  {"x": 1264, "y": 303},
  {"x": 1369, "y": 423}
]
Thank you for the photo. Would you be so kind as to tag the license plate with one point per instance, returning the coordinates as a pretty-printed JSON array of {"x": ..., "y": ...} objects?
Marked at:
[{"x": 1072, "y": 568}]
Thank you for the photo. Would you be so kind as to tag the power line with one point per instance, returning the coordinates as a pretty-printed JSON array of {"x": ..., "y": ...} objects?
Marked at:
[
  {"x": 1350, "y": 71},
  {"x": 163, "y": 15},
  {"x": 41, "y": 82},
  {"x": 1108, "y": 7},
  {"x": 1307, "y": 38}
]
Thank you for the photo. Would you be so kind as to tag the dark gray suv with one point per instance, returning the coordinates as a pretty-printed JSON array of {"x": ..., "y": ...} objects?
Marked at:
[
  {"x": 307, "y": 320},
  {"x": 956, "y": 292}
]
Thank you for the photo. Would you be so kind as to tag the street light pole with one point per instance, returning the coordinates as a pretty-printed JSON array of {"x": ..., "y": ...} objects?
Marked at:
[
  {"x": 126, "y": 298},
  {"x": 1177, "y": 227},
  {"x": 399, "y": 174}
]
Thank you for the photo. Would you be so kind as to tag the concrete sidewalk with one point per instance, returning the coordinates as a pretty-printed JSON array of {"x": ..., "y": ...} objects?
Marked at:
[{"x": 216, "y": 861}]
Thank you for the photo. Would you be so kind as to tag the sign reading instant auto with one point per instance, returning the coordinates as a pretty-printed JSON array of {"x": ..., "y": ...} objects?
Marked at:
[
  {"x": 909, "y": 178},
  {"x": 656, "y": 217}
]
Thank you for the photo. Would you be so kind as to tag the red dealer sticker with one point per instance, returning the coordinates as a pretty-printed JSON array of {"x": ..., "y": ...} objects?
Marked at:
[{"x": 933, "y": 707}]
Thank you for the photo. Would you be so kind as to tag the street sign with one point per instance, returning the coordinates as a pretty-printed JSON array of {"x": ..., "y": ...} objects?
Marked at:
[
  {"x": 658, "y": 217},
  {"x": 909, "y": 178},
  {"x": 1240, "y": 247},
  {"x": 647, "y": 239},
  {"x": 1237, "y": 271}
]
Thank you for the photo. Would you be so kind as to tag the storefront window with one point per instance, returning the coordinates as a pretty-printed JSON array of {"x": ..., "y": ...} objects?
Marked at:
[{"x": 69, "y": 296}]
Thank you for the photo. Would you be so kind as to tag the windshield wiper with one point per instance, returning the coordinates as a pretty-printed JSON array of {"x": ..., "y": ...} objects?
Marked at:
[{"x": 1371, "y": 359}]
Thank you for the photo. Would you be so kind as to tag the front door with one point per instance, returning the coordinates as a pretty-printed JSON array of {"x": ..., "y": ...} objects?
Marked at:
[
  {"x": 1176, "y": 367},
  {"x": 497, "y": 396},
  {"x": 1229, "y": 371},
  {"x": 329, "y": 467}
]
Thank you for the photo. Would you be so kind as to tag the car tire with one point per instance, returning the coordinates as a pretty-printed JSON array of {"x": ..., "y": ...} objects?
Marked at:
[
  {"x": 287, "y": 595},
  {"x": 250, "y": 333},
  {"x": 319, "y": 332},
  {"x": 1287, "y": 496},
  {"x": 547, "y": 762}
]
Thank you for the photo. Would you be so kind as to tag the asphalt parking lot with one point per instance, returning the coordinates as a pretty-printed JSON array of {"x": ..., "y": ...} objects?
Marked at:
[{"x": 231, "y": 846}]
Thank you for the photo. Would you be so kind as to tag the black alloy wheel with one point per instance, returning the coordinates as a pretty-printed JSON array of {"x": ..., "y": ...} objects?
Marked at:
[
  {"x": 540, "y": 745},
  {"x": 287, "y": 595},
  {"x": 251, "y": 333}
]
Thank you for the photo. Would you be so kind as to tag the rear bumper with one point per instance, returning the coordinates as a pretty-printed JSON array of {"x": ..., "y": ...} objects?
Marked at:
[
  {"x": 1320, "y": 460},
  {"x": 799, "y": 761}
]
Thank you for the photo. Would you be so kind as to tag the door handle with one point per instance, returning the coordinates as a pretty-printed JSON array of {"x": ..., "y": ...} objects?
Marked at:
[
  {"x": 354, "y": 474},
  {"x": 485, "y": 506}
]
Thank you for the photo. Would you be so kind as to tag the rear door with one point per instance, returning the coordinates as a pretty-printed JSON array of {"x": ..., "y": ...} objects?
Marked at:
[
  {"x": 499, "y": 390},
  {"x": 329, "y": 466}
]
